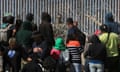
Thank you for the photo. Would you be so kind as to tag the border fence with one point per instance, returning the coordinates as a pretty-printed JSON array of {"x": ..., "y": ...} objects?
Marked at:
[{"x": 89, "y": 13}]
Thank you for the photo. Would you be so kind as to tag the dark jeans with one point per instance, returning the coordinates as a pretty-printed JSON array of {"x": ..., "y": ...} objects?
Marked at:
[
  {"x": 86, "y": 68},
  {"x": 112, "y": 64}
]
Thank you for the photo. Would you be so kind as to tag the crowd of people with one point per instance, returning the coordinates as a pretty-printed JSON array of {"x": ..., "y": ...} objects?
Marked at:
[{"x": 41, "y": 50}]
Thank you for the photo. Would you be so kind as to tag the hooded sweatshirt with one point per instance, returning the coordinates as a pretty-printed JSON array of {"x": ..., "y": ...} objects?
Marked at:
[
  {"x": 23, "y": 36},
  {"x": 109, "y": 21},
  {"x": 96, "y": 50}
]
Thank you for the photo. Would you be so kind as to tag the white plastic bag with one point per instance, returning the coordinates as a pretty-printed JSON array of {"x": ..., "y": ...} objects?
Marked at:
[{"x": 65, "y": 55}]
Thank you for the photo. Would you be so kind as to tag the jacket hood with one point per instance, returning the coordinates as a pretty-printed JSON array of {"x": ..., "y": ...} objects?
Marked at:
[
  {"x": 109, "y": 17},
  {"x": 27, "y": 25}
]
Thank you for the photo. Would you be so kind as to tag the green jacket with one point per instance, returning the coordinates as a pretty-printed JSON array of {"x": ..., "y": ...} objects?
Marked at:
[{"x": 23, "y": 36}]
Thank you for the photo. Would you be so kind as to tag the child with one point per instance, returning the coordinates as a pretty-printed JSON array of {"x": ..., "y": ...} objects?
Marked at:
[
  {"x": 12, "y": 56},
  {"x": 75, "y": 50},
  {"x": 56, "y": 54}
]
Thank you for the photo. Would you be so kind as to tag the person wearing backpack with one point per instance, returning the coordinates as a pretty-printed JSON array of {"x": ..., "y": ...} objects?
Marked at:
[
  {"x": 111, "y": 41},
  {"x": 96, "y": 54}
]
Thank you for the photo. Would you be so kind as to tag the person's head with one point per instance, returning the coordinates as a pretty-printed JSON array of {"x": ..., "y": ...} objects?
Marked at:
[
  {"x": 109, "y": 17},
  {"x": 10, "y": 19},
  {"x": 46, "y": 17},
  {"x": 18, "y": 23},
  {"x": 29, "y": 17},
  {"x": 4, "y": 19},
  {"x": 104, "y": 28},
  {"x": 12, "y": 42},
  {"x": 69, "y": 22}
]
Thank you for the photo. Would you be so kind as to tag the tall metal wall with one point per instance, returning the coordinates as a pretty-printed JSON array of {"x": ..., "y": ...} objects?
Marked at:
[{"x": 89, "y": 13}]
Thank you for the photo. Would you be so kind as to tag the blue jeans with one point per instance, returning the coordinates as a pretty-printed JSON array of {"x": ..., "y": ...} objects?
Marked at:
[
  {"x": 96, "y": 67},
  {"x": 77, "y": 67}
]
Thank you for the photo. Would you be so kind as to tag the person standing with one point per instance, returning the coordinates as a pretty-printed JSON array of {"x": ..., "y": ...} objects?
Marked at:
[
  {"x": 12, "y": 56},
  {"x": 96, "y": 54},
  {"x": 111, "y": 40},
  {"x": 46, "y": 30},
  {"x": 23, "y": 36}
]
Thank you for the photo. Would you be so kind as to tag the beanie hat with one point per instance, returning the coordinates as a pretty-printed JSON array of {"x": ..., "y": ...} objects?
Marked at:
[
  {"x": 59, "y": 44},
  {"x": 104, "y": 28}
]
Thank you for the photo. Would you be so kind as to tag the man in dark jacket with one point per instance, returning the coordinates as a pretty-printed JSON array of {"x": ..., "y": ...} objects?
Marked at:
[
  {"x": 72, "y": 28},
  {"x": 46, "y": 29}
]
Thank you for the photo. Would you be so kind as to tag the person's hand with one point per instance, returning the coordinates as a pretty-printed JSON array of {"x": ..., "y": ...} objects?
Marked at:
[
  {"x": 29, "y": 59},
  {"x": 35, "y": 50},
  {"x": 40, "y": 49}
]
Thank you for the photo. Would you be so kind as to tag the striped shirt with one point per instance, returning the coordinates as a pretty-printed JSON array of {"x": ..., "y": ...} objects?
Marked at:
[
  {"x": 74, "y": 54},
  {"x": 75, "y": 51}
]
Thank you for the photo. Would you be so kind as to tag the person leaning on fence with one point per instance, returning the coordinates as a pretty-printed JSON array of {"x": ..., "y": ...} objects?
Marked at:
[{"x": 111, "y": 41}]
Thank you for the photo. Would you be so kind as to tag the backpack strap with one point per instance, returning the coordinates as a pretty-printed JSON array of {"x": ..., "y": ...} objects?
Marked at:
[{"x": 107, "y": 38}]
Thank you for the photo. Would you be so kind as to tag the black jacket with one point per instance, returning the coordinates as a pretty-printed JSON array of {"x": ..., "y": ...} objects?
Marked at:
[
  {"x": 15, "y": 61},
  {"x": 96, "y": 50},
  {"x": 47, "y": 32}
]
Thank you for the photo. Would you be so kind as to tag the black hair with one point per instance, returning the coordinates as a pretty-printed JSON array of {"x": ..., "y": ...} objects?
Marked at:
[
  {"x": 69, "y": 20},
  {"x": 72, "y": 36},
  {"x": 18, "y": 23},
  {"x": 10, "y": 19},
  {"x": 104, "y": 28},
  {"x": 4, "y": 19},
  {"x": 46, "y": 17},
  {"x": 29, "y": 17},
  {"x": 34, "y": 27}
]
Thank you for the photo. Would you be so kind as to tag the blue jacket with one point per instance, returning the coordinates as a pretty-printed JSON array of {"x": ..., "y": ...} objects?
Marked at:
[{"x": 109, "y": 21}]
